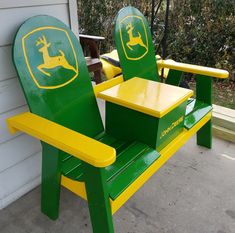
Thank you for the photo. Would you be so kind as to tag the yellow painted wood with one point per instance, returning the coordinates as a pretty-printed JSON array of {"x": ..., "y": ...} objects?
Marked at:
[
  {"x": 74, "y": 186},
  {"x": 74, "y": 143},
  {"x": 166, "y": 154},
  {"x": 152, "y": 98},
  {"x": 194, "y": 69},
  {"x": 107, "y": 84}
]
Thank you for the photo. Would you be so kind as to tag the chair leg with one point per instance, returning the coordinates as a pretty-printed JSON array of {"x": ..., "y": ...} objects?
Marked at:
[
  {"x": 50, "y": 187},
  {"x": 204, "y": 135},
  {"x": 97, "y": 76},
  {"x": 98, "y": 200}
]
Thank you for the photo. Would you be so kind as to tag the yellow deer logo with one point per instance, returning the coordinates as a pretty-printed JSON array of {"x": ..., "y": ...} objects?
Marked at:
[
  {"x": 134, "y": 40},
  {"x": 51, "y": 62}
]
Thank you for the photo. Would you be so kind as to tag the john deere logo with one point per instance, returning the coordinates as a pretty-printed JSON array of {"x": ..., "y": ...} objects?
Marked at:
[
  {"x": 50, "y": 57},
  {"x": 133, "y": 37}
]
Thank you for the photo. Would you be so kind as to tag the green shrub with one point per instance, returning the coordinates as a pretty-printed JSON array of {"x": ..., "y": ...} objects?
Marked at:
[{"x": 200, "y": 32}]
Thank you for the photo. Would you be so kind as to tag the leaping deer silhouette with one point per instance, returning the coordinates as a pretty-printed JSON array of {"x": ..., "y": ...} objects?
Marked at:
[
  {"x": 51, "y": 62},
  {"x": 134, "y": 40}
]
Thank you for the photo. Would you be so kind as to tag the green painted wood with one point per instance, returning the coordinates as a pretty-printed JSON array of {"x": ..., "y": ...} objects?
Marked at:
[
  {"x": 73, "y": 168},
  {"x": 133, "y": 40},
  {"x": 121, "y": 181},
  {"x": 125, "y": 158},
  {"x": 70, "y": 164},
  {"x": 136, "y": 126},
  {"x": 98, "y": 199},
  {"x": 196, "y": 110},
  {"x": 50, "y": 187},
  {"x": 204, "y": 135},
  {"x": 204, "y": 94},
  {"x": 56, "y": 83},
  {"x": 204, "y": 89},
  {"x": 170, "y": 126},
  {"x": 190, "y": 105},
  {"x": 131, "y": 125},
  {"x": 54, "y": 75},
  {"x": 174, "y": 77}
]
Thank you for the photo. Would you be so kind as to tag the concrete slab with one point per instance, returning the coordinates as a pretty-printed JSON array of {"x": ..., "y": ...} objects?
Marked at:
[{"x": 193, "y": 193}]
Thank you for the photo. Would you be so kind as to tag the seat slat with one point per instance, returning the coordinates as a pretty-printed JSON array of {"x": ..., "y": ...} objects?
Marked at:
[
  {"x": 125, "y": 158},
  {"x": 107, "y": 139},
  {"x": 65, "y": 156},
  {"x": 70, "y": 164},
  {"x": 72, "y": 167},
  {"x": 133, "y": 158},
  {"x": 195, "y": 111},
  {"x": 120, "y": 182},
  {"x": 76, "y": 173},
  {"x": 120, "y": 145}
]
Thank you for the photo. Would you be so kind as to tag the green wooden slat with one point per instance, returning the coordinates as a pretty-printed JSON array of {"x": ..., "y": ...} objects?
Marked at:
[
  {"x": 76, "y": 173},
  {"x": 107, "y": 139},
  {"x": 119, "y": 183},
  {"x": 125, "y": 158},
  {"x": 120, "y": 145},
  {"x": 64, "y": 156},
  {"x": 194, "y": 105},
  {"x": 70, "y": 165},
  {"x": 196, "y": 115}
]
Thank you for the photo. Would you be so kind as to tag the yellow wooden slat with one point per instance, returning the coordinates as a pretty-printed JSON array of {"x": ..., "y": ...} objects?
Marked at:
[{"x": 74, "y": 143}]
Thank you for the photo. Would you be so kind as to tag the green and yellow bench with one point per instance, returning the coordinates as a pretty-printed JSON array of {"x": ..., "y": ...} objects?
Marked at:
[{"x": 146, "y": 121}]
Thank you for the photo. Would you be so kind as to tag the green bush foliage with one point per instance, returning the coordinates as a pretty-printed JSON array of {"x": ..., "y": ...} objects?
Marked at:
[
  {"x": 200, "y": 32},
  {"x": 203, "y": 32}
]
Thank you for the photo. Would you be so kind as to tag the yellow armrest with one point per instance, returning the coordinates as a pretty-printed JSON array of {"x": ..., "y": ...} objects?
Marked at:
[
  {"x": 72, "y": 142},
  {"x": 194, "y": 69},
  {"x": 107, "y": 84}
]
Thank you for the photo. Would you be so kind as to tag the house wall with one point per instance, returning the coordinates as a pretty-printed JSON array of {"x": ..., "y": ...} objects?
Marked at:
[{"x": 20, "y": 155}]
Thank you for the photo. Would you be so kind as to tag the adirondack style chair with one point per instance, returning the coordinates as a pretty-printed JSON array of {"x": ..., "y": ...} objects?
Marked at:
[
  {"x": 145, "y": 120},
  {"x": 137, "y": 59}
]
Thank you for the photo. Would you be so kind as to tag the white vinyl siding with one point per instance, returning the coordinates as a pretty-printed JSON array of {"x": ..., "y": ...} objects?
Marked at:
[{"x": 20, "y": 155}]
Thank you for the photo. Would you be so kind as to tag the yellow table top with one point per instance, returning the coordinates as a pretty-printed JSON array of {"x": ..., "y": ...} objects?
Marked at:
[{"x": 153, "y": 98}]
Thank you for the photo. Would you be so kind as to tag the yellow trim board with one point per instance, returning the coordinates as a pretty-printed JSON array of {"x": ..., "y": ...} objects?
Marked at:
[
  {"x": 87, "y": 149},
  {"x": 166, "y": 153},
  {"x": 107, "y": 84},
  {"x": 146, "y": 96},
  {"x": 76, "y": 187}
]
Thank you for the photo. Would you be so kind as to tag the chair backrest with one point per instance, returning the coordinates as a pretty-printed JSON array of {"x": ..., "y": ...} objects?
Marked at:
[
  {"x": 54, "y": 76},
  {"x": 134, "y": 45}
]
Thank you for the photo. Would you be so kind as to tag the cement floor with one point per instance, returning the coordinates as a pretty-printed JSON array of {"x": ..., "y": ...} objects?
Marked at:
[{"x": 193, "y": 193}]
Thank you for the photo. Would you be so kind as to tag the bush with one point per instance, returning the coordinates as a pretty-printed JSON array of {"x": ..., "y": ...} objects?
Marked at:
[{"x": 200, "y": 32}]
